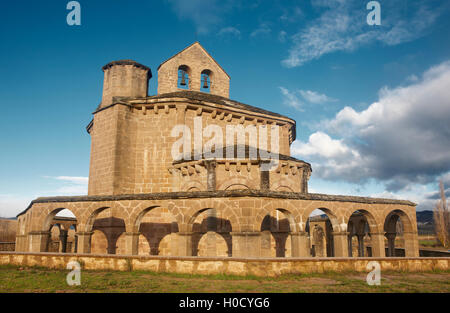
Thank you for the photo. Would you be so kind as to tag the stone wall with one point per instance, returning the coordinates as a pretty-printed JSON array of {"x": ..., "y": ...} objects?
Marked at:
[
  {"x": 232, "y": 266},
  {"x": 194, "y": 59}
]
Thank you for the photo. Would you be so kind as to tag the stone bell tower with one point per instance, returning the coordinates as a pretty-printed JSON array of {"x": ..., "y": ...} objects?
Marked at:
[
  {"x": 124, "y": 78},
  {"x": 113, "y": 129}
]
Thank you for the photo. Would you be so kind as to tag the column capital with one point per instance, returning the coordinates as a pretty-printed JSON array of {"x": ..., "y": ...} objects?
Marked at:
[{"x": 185, "y": 233}]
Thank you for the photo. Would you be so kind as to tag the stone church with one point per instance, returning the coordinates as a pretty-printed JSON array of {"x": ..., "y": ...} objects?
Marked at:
[{"x": 143, "y": 201}]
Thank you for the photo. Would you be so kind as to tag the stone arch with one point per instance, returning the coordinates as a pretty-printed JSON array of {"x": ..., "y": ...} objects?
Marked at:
[
  {"x": 184, "y": 73},
  {"x": 284, "y": 184},
  {"x": 218, "y": 226},
  {"x": 282, "y": 206},
  {"x": 333, "y": 217},
  {"x": 213, "y": 244},
  {"x": 92, "y": 216},
  {"x": 372, "y": 220},
  {"x": 223, "y": 210},
  {"x": 393, "y": 219},
  {"x": 235, "y": 183},
  {"x": 111, "y": 222},
  {"x": 155, "y": 223},
  {"x": 52, "y": 242},
  {"x": 398, "y": 214},
  {"x": 208, "y": 74},
  {"x": 331, "y": 227},
  {"x": 275, "y": 236},
  {"x": 51, "y": 215},
  {"x": 193, "y": 186}
]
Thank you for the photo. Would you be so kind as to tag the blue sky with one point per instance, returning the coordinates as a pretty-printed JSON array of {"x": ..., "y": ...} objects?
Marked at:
[{"x": 372, "y": 103}]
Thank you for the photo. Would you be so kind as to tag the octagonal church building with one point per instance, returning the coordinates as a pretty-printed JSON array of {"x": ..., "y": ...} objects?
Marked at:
[{"x": 190, "y": 172}]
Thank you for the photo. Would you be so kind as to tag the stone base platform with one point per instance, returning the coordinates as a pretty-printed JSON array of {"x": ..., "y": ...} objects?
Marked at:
[{"x": 232, "y": 266}]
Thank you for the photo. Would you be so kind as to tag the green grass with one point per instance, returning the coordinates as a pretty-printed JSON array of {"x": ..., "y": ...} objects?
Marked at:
[
  {"x": 34, "y": 279},
  {"x": 429, "y": 243}
]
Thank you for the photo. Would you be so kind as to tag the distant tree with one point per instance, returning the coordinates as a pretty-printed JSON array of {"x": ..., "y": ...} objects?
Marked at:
[{"x": 441, "y": 217}]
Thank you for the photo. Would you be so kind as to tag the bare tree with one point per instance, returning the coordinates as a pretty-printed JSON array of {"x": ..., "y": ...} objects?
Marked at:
[{"x": 441, "y": 217}]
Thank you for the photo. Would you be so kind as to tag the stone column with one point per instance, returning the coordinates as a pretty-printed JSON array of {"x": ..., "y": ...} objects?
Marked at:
[
  {"x": 63, "y": 240},
  {"x": 184, "y": 242},
  {"x": 378, "y": 246},
  {"x": 360, "y": 245},
  {"x": 132, "y": 243},
  {"x": 211, "y": 174},
  {"x": 350, "y": 245},
  {"x": 411, "y": 244},
  {"x": 246, "y": 244},
  {"x": 391, "y": 243},
  {"x": 300, "y": 245},
  {"x": 38, "y": 241},
  {"x": 340, "y": 244},
  {"x": 84, "y": 242}
]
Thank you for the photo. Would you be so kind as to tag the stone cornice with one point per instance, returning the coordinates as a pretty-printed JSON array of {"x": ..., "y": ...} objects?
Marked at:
[{"x": 219, "y": 194}]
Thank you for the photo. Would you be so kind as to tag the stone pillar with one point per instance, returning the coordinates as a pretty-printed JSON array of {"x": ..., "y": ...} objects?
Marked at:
[
  {"x": 38, "y": 241},
  {"x": 246, "y": 244},
  {"x": 391, "y": 244},
  {"x": 378, "y": 246},
  {"x": 264, "y": 180},
  {"x": 132, "y": 243},
  {"x": 75, "y": 244},
  {"x": 360, "y": 245},
  {"x": 340, "y": 244},
  {"x": 350, "y": 245},
  {"x": 184, "y": 242},
  {"x": 300, "y": 245},
  {"x": 84, "y": 242},
  {"x": 211, "y": 174},
  {"x": 411, "y": 244},
  {"x": 63, "y": 240}
]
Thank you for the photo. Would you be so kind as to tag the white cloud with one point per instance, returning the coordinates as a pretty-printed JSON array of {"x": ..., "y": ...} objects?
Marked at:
[
  {"x": 12, "y": 204},
  {"x": 291, "y": 15},
  {"x": 315, "y": 97},
  {"x": 290, "y": 99},
  {"x": 320, "y": 144},
  {"x": 263, "y": 29},
  {"x": 342, "y": 27},
  {"x": 282, "y": 36},
  {"x": 402, "y": 139},
  {"x": 230, "y": 31},
  {"x": 72, "y": 179}
]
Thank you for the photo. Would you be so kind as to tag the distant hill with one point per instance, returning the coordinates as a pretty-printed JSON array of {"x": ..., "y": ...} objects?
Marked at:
[
  {"x": 424, "y": 217},
  {"x": 425, "y": 222}
]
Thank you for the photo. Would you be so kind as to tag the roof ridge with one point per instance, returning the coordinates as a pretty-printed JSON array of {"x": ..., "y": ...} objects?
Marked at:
[{"x": 207, "y": 53}]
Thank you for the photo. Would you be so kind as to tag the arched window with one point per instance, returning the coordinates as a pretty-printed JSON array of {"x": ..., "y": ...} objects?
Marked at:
[
  {"x": 205, "y": 84},
  {"x": 183, "y": 77}
]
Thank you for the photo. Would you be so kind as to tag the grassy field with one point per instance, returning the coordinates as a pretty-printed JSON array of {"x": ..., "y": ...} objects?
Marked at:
[{"x": 14, "y": 279}]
